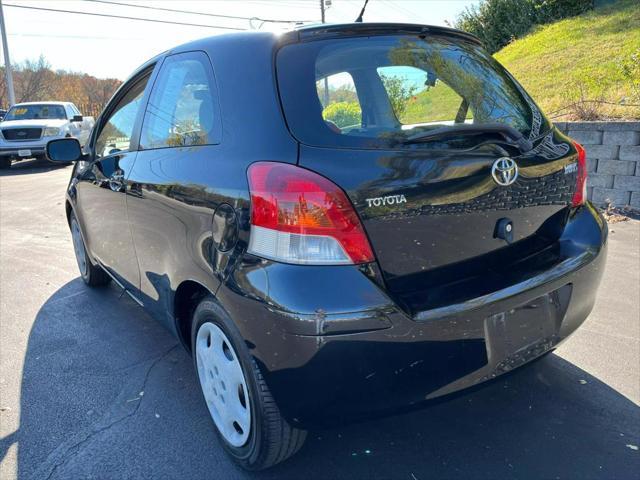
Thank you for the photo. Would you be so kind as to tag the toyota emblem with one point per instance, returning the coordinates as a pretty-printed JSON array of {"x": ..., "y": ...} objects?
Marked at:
[{"x": 504, "y": 171}]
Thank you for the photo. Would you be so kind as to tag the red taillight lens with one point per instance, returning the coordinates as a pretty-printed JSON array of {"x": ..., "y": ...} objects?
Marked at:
[
  {"x": 298, "y": 216},
  {"x": 580, "y": 195}
]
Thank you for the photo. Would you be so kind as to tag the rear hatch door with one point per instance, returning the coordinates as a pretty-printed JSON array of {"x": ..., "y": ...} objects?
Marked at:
[
  {"x": 451, "y": 207},
  {"x": 436, "y": 217}
]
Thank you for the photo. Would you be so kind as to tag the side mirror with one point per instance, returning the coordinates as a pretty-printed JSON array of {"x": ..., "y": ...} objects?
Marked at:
[
  {"x": 77, "y": 118},
  {"x": 64, "y": 150}
]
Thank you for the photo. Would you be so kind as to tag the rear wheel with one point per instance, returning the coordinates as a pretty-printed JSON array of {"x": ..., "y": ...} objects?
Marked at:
[
  {"x": 246, "y": 417},
  {"x": 93, "y": 275},
  {"x": 5, "y": 162}
]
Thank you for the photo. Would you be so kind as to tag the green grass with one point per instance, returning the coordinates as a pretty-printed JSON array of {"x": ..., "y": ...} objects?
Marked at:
[
  {"x": 558, "y": 61},
  {"x": 560, "y": 64},
  {"x": 436, "y": 104}
]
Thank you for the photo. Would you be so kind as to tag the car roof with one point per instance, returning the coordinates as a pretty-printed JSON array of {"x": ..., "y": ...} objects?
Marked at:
[
  {"x": 318, "y": 31},
  {"x": 242, "y": 39}
]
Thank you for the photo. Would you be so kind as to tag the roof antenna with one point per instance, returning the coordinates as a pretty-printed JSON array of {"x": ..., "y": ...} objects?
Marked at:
[{"x": 359, "y": 19}]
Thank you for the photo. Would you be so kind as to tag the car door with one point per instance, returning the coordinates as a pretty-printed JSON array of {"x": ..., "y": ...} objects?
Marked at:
[
  {"x": 101, "y": 185},
  {"x": 171, "y": 200},
  {"x": 76, "y": 129}
]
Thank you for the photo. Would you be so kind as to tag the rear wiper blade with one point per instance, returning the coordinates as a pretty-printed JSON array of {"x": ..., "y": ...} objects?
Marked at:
[{"x": 509, "y": 133}]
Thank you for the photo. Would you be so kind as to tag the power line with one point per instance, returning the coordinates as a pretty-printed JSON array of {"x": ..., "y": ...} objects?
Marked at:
[
  {"x": 302, "y": 4},
  {"x": 122, "y": 17},
  {"x": 191, "y": 12},
  {"x": 401, "y": 8},
  {"x": 89, "y": 37}
]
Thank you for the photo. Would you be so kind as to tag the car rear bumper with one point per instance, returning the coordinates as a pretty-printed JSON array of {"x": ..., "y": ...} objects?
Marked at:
[{"x": 333, "y": 346}]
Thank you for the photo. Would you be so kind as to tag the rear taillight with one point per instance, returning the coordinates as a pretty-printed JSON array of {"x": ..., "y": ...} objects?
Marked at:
[
  {"x": 298, "y": 216},
  {"x": 580, "y": 195}
]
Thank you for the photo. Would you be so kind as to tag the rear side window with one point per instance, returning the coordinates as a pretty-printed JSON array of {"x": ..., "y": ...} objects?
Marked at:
[
  {"x": 376, "y": 92},
  {"x": 182, "y": 108}
]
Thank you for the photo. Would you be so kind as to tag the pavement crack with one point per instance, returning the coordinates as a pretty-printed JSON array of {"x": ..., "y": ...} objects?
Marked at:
[{"x": 76, "y": 447}]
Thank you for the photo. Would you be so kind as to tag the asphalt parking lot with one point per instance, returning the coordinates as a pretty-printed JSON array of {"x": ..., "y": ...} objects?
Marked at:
[{"x": 92, "y": 387}]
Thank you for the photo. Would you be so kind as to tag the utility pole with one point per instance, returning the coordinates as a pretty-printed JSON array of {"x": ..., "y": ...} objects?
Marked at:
[
  {"x": 7, "y": 62},
  {"x": 326, "y": 81}
]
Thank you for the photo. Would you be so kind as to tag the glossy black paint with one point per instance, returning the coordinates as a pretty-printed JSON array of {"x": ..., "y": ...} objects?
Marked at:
[
  {"x": 454, "y": 204},
  {"x": 338, "y": 341},
  {"x": 317, "y": 376}
]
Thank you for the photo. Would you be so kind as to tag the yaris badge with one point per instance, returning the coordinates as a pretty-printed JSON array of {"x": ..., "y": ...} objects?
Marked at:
[{"x": 504, "y": 171}]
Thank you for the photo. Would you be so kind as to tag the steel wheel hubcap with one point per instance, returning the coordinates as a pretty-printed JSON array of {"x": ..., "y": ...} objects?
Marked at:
[
  {"x": 78, "y": 247},
  {"x": 223, "y": 384}
]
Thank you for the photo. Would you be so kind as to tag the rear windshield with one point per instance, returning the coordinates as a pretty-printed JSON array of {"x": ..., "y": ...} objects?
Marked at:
[{"x": 377, "y": 92}]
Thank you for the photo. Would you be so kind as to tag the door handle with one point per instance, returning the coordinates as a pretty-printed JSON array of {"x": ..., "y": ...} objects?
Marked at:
[{"x": 116, "y": 181}]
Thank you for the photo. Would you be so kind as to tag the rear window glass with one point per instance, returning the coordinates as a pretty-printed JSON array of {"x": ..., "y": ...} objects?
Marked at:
[
  {"x": 340, "y": 104},
  {"x": 414, "y": 101},
  {"x": 376, "y": 92}
]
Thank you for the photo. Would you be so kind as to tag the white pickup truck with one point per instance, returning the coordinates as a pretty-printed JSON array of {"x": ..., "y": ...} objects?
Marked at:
[{"x": 27, "y": 127}]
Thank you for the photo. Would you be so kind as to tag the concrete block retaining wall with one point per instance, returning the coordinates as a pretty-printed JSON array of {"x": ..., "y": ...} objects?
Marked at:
[{"x": 613, "y": 160}]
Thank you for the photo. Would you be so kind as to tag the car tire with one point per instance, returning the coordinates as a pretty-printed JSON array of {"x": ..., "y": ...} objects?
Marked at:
[
  {"x": 5, "y": 163},
  {"x": 270, "y": 439},
  {"x": 92, "y": 275}
]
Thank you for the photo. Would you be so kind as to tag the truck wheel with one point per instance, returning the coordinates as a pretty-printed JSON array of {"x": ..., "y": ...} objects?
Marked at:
[
  {"x": 92, "y": 275},
  {"x": 5, "y": 162},
  {"x": 246, "y": 418}
]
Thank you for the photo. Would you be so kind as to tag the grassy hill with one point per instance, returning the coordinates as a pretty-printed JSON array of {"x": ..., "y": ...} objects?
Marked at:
[
  {"x": 579, "y": 58},
  {"x": 565, "y": 66},
  {"x": 562, "y": 64}
]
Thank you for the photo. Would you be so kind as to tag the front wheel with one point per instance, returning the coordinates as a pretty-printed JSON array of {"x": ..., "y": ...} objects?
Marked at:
[
  {"x": 93, "y": 275},
  {"x": 247, "y": 419}
]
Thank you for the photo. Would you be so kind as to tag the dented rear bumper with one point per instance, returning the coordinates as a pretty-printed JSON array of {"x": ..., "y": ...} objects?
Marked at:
[{"x": 338, "y": 347}]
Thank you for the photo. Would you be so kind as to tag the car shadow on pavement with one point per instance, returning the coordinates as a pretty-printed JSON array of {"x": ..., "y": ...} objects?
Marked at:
[
  {"x": 32, "y": 165},
  {"x": 108, "y": 393}
]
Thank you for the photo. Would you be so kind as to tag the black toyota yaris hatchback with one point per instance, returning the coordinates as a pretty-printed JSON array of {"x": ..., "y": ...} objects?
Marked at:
[{"x": 336, "y": 222}]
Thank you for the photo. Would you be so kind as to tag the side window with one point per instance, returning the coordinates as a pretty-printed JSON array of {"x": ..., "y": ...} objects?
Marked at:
[
  {"x": 417, "y": 97},
  {"x": 182, "y": 108},
  {"x": 340, "y": 105},
  {"x": 115, "y": 133}
]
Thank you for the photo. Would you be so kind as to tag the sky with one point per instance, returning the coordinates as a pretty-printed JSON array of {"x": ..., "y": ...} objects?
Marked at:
[{"x": 113, "y": 47}]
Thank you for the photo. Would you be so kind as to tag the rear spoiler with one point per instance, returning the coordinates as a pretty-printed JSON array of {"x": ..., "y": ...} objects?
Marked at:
[{"x": 328, "y": 31}]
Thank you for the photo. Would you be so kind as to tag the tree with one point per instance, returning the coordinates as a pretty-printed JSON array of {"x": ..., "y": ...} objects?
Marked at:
[
  {"x": 498, "y": 22},
  {"x": 399, "y": 92},
  {"x": 343, "y": 114},
  {"x": 35, "y": 81},
  {"x": 99, "y": 91}
]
